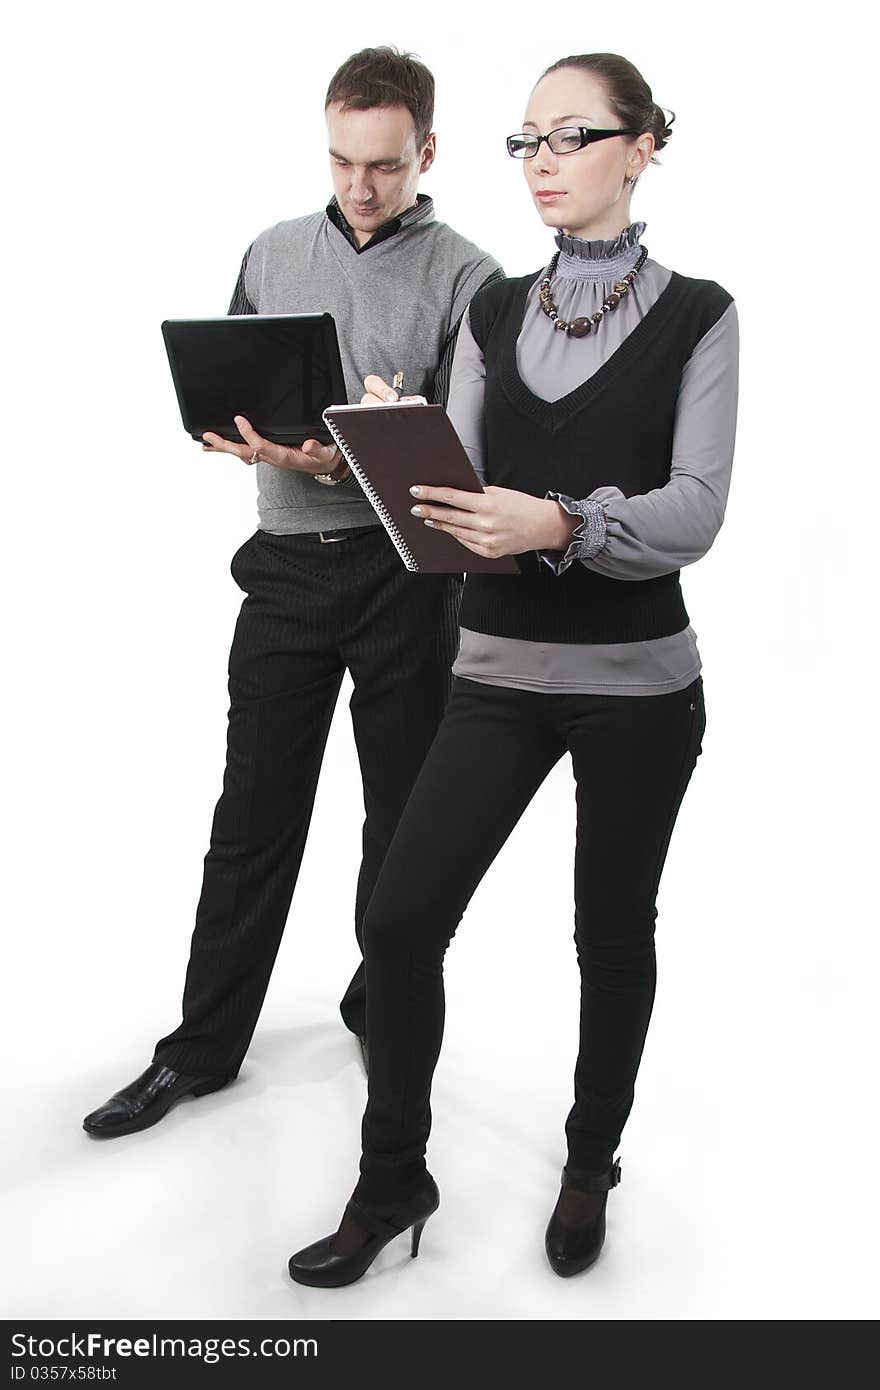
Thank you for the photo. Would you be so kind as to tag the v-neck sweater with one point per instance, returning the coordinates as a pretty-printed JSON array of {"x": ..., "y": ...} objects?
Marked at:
[
  {"x": 395, "y": 304},
  {"x": 631, "y": 533}
]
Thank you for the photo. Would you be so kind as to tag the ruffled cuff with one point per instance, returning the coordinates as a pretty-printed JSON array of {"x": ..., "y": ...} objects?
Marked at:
[{"x": 588, "y": 537}]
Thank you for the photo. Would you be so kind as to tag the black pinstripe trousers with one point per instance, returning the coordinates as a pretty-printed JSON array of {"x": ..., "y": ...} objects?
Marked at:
[{"x": 311, "y": 611}]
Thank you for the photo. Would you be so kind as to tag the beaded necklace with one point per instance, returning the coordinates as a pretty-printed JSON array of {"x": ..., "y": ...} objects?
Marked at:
[{"x": 579, "y": 328}]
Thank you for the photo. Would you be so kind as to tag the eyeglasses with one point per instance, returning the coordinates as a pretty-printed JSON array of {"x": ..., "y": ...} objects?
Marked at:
[{"x": 565, "y": 140}]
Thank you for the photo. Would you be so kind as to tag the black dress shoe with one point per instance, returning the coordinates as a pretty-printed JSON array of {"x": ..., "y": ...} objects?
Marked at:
[
  {"x": 365, "y": 1055},
  {"x": 322, "y": 1266},
  {"x": 146, "y": 1100},
  {"x": 571, "y": 1248}
]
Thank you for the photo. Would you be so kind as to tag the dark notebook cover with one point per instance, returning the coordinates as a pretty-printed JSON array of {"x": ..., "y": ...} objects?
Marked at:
[{"x": 390, "y": 447}]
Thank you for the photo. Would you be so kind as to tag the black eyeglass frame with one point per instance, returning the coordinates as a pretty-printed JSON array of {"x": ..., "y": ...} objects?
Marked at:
[{"x": 587, "y": 134}]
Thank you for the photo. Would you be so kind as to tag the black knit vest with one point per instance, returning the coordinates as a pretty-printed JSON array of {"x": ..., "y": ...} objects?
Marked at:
[{"x": 616, "y": 430}]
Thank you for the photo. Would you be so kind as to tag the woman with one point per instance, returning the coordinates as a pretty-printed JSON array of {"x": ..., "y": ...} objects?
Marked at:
[{"x": 597, "y": 400}]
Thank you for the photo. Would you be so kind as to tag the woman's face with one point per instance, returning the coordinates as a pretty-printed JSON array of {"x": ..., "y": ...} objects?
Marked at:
[{"x": 585, "y": 193}]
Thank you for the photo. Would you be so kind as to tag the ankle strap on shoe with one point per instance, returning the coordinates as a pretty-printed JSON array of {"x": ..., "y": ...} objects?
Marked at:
[
  {"x": 583, "y": 1181},
  {"x": 370, "y": 1221}
]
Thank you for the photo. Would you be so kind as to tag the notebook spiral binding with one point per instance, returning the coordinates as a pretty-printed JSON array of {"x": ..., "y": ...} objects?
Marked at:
[{"x": 373, "y": 497}]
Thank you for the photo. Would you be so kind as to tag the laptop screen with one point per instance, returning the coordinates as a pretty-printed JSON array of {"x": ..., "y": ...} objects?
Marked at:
[{"x": 281, "y": 371}]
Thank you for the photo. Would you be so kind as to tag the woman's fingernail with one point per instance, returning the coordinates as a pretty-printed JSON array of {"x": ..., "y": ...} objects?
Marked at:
[
  {"x": 429, "y": 523},
  {"x": 416, "y": 491},
  {"x": 417, "y": 511}
]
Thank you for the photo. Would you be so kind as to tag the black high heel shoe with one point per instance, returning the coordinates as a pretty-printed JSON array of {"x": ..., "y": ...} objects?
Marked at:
[
  {"x": 324, "y": 1267},
  {"x": 574, "y": 1247}
]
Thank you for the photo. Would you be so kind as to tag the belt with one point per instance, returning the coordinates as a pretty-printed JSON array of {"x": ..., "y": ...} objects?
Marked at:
[{"x": 342, "y": 534}]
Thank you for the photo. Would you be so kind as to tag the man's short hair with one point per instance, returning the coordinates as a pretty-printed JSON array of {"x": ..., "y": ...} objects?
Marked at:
[{"x": 385, "y": 77}]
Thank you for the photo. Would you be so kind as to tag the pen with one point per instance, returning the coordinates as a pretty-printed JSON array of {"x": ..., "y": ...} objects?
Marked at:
[{"x": 397, "y": 383}]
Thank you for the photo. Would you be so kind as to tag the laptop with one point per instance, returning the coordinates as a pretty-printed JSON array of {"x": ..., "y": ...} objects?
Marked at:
[{"x": 281, "y": 371}]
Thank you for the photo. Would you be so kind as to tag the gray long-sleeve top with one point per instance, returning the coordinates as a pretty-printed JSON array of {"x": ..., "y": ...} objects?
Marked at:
[{"x": 626, "y": 538}]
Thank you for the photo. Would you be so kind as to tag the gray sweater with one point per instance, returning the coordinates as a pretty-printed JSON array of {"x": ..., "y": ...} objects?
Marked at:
[{"x": 395, "y": 304}]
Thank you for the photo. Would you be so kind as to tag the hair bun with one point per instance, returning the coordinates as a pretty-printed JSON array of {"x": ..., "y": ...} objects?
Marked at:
[
  {"x": 629, "y": 95},
  {"x": 661, "y": 126}
]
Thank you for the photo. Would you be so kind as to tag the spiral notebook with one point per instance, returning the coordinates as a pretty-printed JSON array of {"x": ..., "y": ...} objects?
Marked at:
[{"x": 390, "y": 447}]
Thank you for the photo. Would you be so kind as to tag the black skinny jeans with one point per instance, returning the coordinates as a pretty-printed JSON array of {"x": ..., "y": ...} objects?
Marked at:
[
  {"x": 633, "y": 757},
  {"x": 312, "y": 611}
]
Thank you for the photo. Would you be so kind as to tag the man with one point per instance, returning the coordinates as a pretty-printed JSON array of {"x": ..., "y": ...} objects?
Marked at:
[{"x": 325, "y": 588}]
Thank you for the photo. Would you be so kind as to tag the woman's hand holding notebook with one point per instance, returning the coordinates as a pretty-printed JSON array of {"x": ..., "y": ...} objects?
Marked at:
[{"x": 392, "y": 445}]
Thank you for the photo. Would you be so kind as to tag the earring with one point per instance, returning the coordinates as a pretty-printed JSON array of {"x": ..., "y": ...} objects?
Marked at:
[{"x": 632, "y": 183}]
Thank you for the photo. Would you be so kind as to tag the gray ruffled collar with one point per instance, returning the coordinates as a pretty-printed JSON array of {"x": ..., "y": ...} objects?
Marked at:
[{"x": 599, "y": 260}]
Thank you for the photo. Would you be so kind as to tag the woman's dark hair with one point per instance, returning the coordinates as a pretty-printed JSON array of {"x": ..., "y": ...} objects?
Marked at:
[
  {"x": 385, "y": 77},
  {"x": 629, "y": 95}
]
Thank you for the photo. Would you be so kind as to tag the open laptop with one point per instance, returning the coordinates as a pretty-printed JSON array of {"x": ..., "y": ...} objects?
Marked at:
[{"x": 281, "y": 371}]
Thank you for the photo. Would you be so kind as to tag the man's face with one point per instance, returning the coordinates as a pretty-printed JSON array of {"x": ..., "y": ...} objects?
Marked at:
[{"x": 375, "y": 164}]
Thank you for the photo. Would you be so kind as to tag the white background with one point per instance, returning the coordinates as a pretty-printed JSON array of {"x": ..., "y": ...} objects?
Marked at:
[{"x": 146, "y": 149}]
